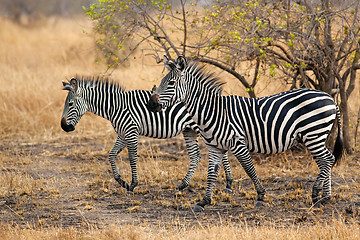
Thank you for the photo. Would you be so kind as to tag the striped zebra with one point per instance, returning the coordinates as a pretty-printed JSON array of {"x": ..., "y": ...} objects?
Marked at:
[
  {"x": 267, "y": 125},
  {"x": 128, "y": 114}
]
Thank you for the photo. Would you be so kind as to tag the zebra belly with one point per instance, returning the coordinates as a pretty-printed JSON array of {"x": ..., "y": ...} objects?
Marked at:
[
  {"x": 166, "y": 124},
  {"x": 274, "y": 124}
]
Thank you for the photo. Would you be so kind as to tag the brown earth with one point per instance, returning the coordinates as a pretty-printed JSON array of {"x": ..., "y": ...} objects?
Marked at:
[{"x": 67, "y": 182}]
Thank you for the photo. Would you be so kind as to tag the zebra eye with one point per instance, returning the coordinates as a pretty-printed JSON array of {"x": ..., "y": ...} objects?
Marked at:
[
  {"x": 171, "y": 83},
  {"x": 71, "y": 103}
]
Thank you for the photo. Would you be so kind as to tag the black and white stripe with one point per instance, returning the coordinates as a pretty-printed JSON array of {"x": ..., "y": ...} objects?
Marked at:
[
  {"x": 264, "y": 125},
  {"x": 130, "y": 117}
]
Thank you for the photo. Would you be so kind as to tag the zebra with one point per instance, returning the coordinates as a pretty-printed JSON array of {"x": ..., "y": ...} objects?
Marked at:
[
  {"x": 128, "y": 114},
  {"x": 242, "y": 125}
]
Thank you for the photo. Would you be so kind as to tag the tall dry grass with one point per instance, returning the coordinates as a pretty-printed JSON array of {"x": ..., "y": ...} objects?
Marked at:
[
  {"x": 336, "y": 229},
  {"x": 34, "y": 61}
]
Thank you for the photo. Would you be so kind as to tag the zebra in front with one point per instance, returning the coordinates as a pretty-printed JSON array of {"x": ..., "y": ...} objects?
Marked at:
[
  {"x": 128, "y": 114},
  {"x": 267, "y": 125}
]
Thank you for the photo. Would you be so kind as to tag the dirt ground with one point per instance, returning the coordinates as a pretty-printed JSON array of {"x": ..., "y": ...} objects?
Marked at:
[{"x": 67, "y": 182}]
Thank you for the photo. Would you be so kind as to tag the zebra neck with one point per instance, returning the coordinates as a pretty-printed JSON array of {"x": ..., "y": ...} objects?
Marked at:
[
  {"x": 203, "y": 105},
  {"x": 104, "y": 104}
]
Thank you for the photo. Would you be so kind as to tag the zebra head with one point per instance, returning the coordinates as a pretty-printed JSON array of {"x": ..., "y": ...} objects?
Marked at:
[
  {"x": 75, "y": 106},
  {"x": 172, "y": 88}
]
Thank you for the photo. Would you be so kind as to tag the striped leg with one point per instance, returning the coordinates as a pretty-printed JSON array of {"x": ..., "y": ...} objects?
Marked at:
[
  {"x": 242, "y": 154},
  {"x": 229, "y": 177},
  {"x": 194, "y": 152},
  {"x": 132, "y": 144},
  {"x": 118, "y": 147},
  {"x": 215, "y": 157},
  {"x": 192, "y": 147},
  {"x": 324, "y": 159}
]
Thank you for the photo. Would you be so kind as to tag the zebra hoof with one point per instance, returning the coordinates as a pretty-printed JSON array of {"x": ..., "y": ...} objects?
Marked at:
[
  {"x": 132, "y": 186},
  {"x": 228, "y": 190},
  {"x": 198, "y": 208},
  {"x": 126, "y": 186},
  {"x": 316, "y": 202},
  {"x": 181, "y": 187},
  {"x": 325, "y": 199},
  {"x": 320, "y": 202},
  {"x": 317, "y": 205},
  {"x": 259, "y": 203}
]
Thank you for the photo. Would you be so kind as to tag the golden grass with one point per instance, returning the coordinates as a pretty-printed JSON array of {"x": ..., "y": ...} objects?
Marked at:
[
  {"x": 336, "y": 229},
  {"x": 18, "y": 184},
  {"x": 33, "y": 63}
]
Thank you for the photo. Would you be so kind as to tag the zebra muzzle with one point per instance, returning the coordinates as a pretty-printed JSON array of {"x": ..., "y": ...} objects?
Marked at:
[
  {"x": 153, "y": 104},
  {"x": 66, "y": 127}
]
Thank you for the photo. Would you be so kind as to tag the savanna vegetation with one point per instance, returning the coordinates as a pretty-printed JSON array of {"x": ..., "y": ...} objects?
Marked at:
[
  {"x": 57, "y": 185},
  {"x": 304, "y": 43}
]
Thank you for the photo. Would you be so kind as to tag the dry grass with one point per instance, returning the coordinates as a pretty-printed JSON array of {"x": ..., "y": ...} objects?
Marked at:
[
  {"x": 336, "y": 229},
  {"x": 48, "y": 177},
  {"x": 34, "y": 62}
]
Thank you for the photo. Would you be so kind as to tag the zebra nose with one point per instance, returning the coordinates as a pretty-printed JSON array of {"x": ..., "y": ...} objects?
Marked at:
[
  {"x": 152, "y": 104},
  {"x": 66, "y": 127}
]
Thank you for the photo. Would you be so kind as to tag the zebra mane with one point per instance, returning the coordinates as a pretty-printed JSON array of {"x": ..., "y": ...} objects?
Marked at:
[
  {"x": 98, "y": 81},
  {"x": 207, "y": 79}
]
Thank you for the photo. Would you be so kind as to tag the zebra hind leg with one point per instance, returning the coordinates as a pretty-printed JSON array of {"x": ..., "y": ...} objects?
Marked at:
[
  {"x": 229, "y": 177},
  {"x": 118, "y": 147},
  {"x": 324, "y": 159},
  {"x": 193, "y": 149},
  {"x": 194, "y": 152},
  {"x": 215, "y": 157}
]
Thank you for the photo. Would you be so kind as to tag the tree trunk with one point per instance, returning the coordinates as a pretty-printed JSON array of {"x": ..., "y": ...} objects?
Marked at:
[
  {"x": 346, "y": 122},
  {"x": 249, "y": 88}
]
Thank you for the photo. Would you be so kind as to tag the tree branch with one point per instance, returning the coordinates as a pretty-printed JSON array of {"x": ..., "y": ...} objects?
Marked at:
[
  {"x": 132, "y": 51},
  {"x": 185, "y": 28},
  {"x": 166, "y": 37},
  {"x": 257, "y": 66},
  {"x": 232, "y": 72}
]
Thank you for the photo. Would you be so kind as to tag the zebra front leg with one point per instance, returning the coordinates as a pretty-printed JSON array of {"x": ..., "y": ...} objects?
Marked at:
[
  {"x": 242, "y": 154},
  {"x": 118, "y": 147},
  {"x": 132, "y": 148},
  {"x": 229, "y": 177},
  {"x": 193, "y": 149},
  {"x": 194, "y": 152},
  {"x": 215, "y": 157}
]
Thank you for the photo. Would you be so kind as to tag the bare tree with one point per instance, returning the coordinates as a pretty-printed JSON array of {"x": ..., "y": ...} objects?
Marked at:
[
  {"x": 306, "y": 43},
  {"x": 312, "y": 43},
  {"x": 165, "y": 27}
]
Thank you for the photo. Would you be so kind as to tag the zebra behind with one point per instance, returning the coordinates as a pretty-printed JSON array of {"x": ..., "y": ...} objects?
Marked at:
[
  {"x": 268, "y": 125},
  {"x": 128, "y": 114}
]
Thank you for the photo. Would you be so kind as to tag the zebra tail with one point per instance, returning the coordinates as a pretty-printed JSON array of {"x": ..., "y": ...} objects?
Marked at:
[{"x": 339, "y": 143}]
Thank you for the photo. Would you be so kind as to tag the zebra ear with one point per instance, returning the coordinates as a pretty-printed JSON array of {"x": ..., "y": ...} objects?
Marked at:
[
  {"x": 181, "y": 63},
  {"x": 74, "y": 84},
  {"x": 67, "y": 86},
  {"x": 165, "y": 59},
  {"x": 169, "y": 64}
]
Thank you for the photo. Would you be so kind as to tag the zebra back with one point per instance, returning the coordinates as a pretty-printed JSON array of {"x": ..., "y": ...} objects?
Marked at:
[
  {"x": 111, "y": 101},
  {"x": 164, "y": 124}
]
